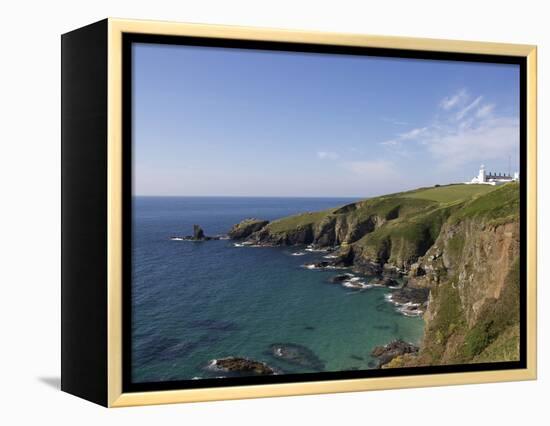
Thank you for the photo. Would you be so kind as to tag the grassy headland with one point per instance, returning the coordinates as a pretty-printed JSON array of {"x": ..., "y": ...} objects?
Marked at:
[{"x": 459, "y": 241}]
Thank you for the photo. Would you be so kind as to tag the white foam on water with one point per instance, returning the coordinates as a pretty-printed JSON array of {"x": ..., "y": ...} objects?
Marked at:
[
  {"x": 310, "y": 266},
  {"x": 355, "y": 283}
]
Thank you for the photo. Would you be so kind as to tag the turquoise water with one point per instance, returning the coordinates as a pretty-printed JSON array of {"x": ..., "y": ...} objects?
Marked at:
[{"x": 196, "y": 301}]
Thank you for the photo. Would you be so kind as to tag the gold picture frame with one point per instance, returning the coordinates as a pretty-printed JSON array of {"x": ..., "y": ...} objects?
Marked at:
[{"x": 113, "y": 30}]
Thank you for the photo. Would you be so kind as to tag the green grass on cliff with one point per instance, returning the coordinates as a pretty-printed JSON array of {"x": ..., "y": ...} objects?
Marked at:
[
  {"x": 450, "y": 193},
  {"x": 395, "y": 206},
  {"x": 500, "y": 204},
  {"x": 297, "y": 221},
  {"x": 386, "y": 207},
  {"x": 408, "y": 223},
  {"x": 504, "y": 348},
  {"x": 405, "y": 239}
]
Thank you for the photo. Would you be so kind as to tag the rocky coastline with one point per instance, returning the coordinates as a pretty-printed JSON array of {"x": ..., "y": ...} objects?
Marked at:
[
  {"x": 431, "y": 255},
  {"x": 430, "y": 248}
]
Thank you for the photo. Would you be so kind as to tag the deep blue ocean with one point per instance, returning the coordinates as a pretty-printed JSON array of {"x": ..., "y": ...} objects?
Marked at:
[{"x": 196, "y": 301}]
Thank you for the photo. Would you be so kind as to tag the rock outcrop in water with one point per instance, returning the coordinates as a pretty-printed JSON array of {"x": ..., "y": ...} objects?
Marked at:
[
  {"x": 341, "y": 278},
  {"x": 387, "y": 353},
  {"x": 457, "y": 248},
  {"x": 198, "y": 235},
  {"x": 241, "y": 365}
]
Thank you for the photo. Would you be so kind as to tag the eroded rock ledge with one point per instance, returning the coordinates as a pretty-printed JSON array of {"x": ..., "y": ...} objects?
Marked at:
[
  {"x": 241, "y": 365},
  {"x": 387, "y": 353},
  {"x": 246, "y": 228}
]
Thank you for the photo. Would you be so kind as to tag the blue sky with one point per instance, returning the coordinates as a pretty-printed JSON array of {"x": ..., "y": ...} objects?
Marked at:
[{"x": 214, "y": 121}]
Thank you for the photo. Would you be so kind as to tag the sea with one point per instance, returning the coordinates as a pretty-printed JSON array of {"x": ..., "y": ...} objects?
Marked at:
[{"x": 193, "y": 302}]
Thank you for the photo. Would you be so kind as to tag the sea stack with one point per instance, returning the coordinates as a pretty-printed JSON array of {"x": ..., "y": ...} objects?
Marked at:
[{"x": 198, "y": 233}]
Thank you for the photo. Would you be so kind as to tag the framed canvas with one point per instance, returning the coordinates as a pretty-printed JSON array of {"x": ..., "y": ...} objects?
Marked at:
[{"x": 255, "y": 212}]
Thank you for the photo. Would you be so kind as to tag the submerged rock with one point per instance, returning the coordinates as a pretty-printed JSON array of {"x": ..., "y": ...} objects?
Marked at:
[
  {"x": 341, "y": 278},
  {"x": 241, "y": 365},
  {"x": 297, "y": 355},
  {"x": 246, "y": 228},
  {"x": 163, "y": 348},
  {"x": 323, "y": 264},
  {"x": 392, "y": 350}
]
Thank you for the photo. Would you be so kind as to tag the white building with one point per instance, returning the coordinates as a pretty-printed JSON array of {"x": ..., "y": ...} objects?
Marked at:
[{"x": 491, "y": 178}]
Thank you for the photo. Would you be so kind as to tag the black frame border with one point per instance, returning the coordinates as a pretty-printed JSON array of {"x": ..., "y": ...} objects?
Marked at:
[{"x": 130, "y": 38}]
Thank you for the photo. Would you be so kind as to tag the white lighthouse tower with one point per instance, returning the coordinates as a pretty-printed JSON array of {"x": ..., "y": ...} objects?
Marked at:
[{"x": 481, "y": 177}]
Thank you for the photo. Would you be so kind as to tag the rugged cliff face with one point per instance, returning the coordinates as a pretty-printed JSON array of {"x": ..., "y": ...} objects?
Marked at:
[
  {"x": 459, "y": 242},
  {"x": 393, "y": 230},
  {"x": 472, "y": 271}
]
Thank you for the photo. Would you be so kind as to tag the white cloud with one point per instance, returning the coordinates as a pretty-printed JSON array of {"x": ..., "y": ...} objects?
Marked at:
[
  {"x": 463, "y": 130},
  {"x": 327, "y": 155},
  {"x": 414, "y": 133},
  {"x": 485, "y": 110},
  {"x": 464, "y": 111},
  {"x": 489, "y": 140},
  {"x": 450, "y": 102}
]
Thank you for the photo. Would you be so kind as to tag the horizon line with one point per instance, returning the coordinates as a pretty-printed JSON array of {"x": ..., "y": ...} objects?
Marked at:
[
  {"x": 298, "y": 196},
  {"x": 253, "y": 196}
]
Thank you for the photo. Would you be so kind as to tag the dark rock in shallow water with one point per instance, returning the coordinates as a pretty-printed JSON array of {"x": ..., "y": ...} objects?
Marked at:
[
  {"x": 410, "y": 295},
  {"x": 246, "y": 228},
  {"x": 382, "y": 327},
  {"x": 367, "y": 268},
  {"x": 323, "y": 264},
  {"x": 297, "y": 355},
  {"x": 198, "y": 235},
  {"x": 385, "y": 282},
  {"x": 392, "y": 350},
  {"x": 382, "y": 307},
  {"x": 241, "y": 365},
  {"x": 341, "y": 278},
  {"x": 309, "y": 328}
]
